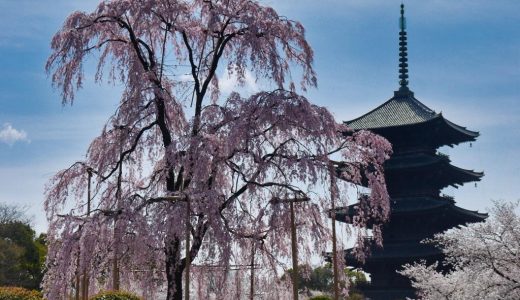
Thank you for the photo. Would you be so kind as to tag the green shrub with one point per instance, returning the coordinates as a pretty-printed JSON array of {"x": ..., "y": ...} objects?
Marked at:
[
  {"x": 321, "y": 297},
  {"x": 115, "y": 295},
  {"x": 355, "y": 296},
  {"x": 18, "y": 293}
]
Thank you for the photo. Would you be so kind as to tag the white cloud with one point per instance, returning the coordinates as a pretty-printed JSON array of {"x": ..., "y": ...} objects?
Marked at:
[
  {"x": 10, "y": 135},
  {"x": 229, "y": 83}
]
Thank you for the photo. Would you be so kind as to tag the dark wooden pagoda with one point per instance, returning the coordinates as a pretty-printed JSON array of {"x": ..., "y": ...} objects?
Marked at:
[{"x": 415, "y": 175}]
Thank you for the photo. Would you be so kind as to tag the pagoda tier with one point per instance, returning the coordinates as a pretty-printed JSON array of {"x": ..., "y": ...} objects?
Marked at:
[
  {"x": 415, "y": 175},
  {"x": 424, "y": 173},
  {"x": 412, "y": 126},
  {"x": 412, "y": 219},
  {"x": 418, "y": 172},
  {"x": 417, "y": 218},
  {"x": 388, "y": 260}
]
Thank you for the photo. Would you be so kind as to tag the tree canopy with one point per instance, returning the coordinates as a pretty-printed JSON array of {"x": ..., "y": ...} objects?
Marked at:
[
  {"x": 320, "y": 278},
  {"x": 483, "y": 257},
  {"x": 22, "y": 254},
  {"x": 183, "y": 175}
]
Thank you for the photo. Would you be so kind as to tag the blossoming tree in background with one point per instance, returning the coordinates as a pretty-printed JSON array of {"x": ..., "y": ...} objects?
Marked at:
[
  {"x": 181, "y": 175},
  {"x": 484, "y": 258}
]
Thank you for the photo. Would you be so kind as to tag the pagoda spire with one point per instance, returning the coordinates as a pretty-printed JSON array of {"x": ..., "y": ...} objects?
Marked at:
[{"x": 403, "y": 53}]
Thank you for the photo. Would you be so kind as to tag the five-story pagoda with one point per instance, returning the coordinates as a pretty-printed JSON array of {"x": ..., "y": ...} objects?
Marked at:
[{"x": 415, "y": 175}]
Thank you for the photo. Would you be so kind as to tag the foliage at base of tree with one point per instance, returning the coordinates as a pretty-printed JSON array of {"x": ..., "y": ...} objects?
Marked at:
[
  {"x": 322, "y": 279},
  {"x": 319, "y": 279},
  {"x": 352, "y": 296},
  {"x": 115, "y": 295},
  {"x": 18, "y": 293},
  {"x": 355, "y": 296},
  {"x": 321, "y": 297}
]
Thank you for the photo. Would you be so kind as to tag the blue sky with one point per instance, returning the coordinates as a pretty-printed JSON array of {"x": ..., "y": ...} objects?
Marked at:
[{"x": 464, "y": 59}]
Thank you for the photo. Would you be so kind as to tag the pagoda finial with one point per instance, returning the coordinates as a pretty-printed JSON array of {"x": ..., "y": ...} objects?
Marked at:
[{"x": 403, "y": 53}]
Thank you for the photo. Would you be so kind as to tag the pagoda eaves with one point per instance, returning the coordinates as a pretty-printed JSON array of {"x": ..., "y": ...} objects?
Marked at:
[
  {"x": 404, "y": 113},
  {"x": 421, "y": 205}
]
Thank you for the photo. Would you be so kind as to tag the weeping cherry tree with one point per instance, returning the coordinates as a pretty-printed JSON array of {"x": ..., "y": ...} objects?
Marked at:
[{"x": 182, "y": 175}]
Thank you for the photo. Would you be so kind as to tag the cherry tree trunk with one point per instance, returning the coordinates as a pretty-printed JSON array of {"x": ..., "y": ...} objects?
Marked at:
[{"x": 174, "y": 270}]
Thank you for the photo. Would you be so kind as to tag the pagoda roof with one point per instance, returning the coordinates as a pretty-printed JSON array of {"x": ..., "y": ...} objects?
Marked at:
[
  {"x": 474, "y": 214},
  {"x": 419, "y": 206},
  {"x": 422, "y": 160},
  {"x": 460, "y": 175},
  {"x": 415, "y": 160},
  {"x": 403, "y": 109},
  {"x": 411, "y": 249},
  {"x": 402, "y": 252},
  {"x": 408, "y": 250}
]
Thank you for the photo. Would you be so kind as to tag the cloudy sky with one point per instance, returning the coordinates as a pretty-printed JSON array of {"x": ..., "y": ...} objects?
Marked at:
[{"x": 464, "y": 60}]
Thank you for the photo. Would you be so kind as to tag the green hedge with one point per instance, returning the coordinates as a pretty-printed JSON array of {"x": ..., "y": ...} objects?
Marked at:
[
  {"x": 18, "y": 293},
  {"x": 114, "y": 295},
  {"x": 321, "y": 297}
]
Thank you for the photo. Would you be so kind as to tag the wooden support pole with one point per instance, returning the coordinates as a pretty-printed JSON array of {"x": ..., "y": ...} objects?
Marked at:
[
  {"x": 334, "y": 252},
  {"x": 294, "y": 249},
  {"x": 294, "y": 246},
  {"x": 188, "y": 260},
  {"x": 77, "y": 294},
  {"x": 252, "y": 279},
  {"x": 115, "y": 262},
  {"x": 115, "y": 271},
  {"x": 85, "y": 283}
]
